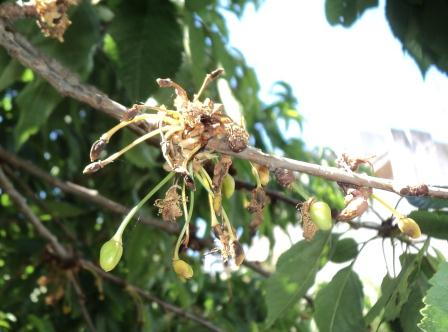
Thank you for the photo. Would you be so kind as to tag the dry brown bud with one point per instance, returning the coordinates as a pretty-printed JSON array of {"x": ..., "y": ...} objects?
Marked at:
[
  {"x": 96, "y": 149},
  {"x": 284, "y": 176},
  {"x": 220, "y": 171},
  {"x": 263, "y": 173},
  {"x": 238, "y": 138},
  {"x": 216, "y": 73},
  {"x": 92, "y": 168}
]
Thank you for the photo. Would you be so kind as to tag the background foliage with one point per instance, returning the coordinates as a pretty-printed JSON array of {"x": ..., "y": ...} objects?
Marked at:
[{"x": 121, "y": 47}]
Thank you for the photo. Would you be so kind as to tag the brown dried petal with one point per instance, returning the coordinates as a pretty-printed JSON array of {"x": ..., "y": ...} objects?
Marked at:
[
  {"x": 284, "y": 176},
  {"x": 418, "y": 190},
  {"x": 169, "y": 207},
  {"x": 220, "y": 171},
  {"x": 258, "y": 200},
  {"x": 309, "y": 228},
  {"x": 238, "y": 252},
  {"x": 355, "y": 208}
]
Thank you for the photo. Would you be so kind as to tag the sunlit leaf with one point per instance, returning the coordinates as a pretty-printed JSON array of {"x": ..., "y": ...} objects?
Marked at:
[
  {"x": 294, "y": 274},
  {"x": 339, "y": 304}
]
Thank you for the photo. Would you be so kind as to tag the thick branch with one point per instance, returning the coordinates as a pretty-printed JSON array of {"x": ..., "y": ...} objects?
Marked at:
[
  {"x": 43, "y": 231},
  {"x": 329, "y": 173}
]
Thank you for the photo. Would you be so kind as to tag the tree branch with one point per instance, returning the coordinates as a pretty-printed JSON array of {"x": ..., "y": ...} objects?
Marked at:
[
  {"x": 68, "y": 84},
  {"x": 329, "y": 173},
  {"x": 81, "y": 300},
  {"x": 43, "y": 231},
  {"x": 165, "y": 305}
]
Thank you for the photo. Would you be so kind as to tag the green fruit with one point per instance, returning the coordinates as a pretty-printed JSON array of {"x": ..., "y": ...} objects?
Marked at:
[
  {"x": 320, "y": 214},
  {"x": 183, "y": 269},
  {"x": 110, "y": 254},
  {"x": 228, "y": 186}
]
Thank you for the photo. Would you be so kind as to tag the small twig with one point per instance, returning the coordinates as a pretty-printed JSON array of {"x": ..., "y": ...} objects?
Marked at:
[
  {"x": 20, "y": 201},
  {"x": 11, "y": 11},
  {"x": 274, "y": 194},
  {"x": 81, "y": 300},
  {"x": 147, "y": 296}
]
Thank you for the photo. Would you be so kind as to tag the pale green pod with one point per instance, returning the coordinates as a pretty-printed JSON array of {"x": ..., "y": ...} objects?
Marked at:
[{"x": 110, "y": 254}]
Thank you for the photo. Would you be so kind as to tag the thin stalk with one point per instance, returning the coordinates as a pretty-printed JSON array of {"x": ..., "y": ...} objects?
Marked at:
[
  {"x": 119, "y": 233},
  {"x": 107, "y": 135},
  {"x": 387, "y": 206},
  {"x": 188, "y": 214}
]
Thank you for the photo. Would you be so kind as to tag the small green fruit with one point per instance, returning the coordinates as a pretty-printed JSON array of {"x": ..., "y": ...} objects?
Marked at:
[
  {"x": 409, "y": 227},
  {"x": 183, "y": 269},
  {"x": 228, "y": 186},
  {"x": 110, "y": 254},
  {"x": 320, "y": 214}
]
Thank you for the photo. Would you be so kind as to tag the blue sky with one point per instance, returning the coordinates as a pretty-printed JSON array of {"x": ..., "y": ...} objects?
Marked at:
[{"x": 347, "y": 80}]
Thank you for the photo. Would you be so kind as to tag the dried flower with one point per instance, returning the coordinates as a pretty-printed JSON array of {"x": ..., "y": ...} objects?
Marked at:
[
  {"x": 284, "y": 176},
  {"x": 169, "y": 207}
]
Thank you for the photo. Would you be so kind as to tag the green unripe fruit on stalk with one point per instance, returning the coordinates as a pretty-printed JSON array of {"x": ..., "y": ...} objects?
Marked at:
[
  {"x": 320, "y": 215},
  {"x": 183, "y": 269},
  {"x": 228, "y": 186},
  {"x": 110, "y": 254}
]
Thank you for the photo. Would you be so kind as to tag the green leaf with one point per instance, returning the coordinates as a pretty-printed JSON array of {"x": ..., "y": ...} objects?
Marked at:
[
  {"x": 142, "y": 156},
  {"x": 10, "y": 74},
  {"x": 434, "y": 224},
  {"x": 36, "y": 102},
  {"x": 149, "y": 42},
  {"x": 63, "y": 209},
  {"x": 196, "y": 49},
  {"x": 395, "y": 291},
  {"x": 410, "y": 313},
  {"x": 426, "y": 203},
  {"x": 295, "y": 273},
  {"x": 41, "y": 324},
  {"x": 346, "y": 12},
  {"x": 345, "y": 250},
  {"x": 338, "y": 305},
  {"x": 435, "y": 313}
]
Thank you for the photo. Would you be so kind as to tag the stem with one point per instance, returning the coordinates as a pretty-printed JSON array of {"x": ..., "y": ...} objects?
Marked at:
[
  {"x": 119, "y": 233},
  {"x": 188, "y": 214},
  {"x": 139, "y": 140},
  {"x": 107, "y": 135},
  {"x": 228, "y": 224},
  {"x": 387, "y": 206}
]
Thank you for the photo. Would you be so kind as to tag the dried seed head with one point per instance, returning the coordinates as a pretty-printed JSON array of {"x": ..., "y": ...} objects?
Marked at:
[
  {"x": 96, "y": 149},
  {"x": 183, "y": 269},
  {"x": 93, "y": 167},
  {"x": 238, "y": 138},
  {"x": 284, "y": 176},
  {"x": 53, "y": 19},
  {"x": 258, "y": 200},
  {"x": 417, "y": 190},
  {"x": 409, "y": 227},
  {"x": 169, "y": 207}
]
